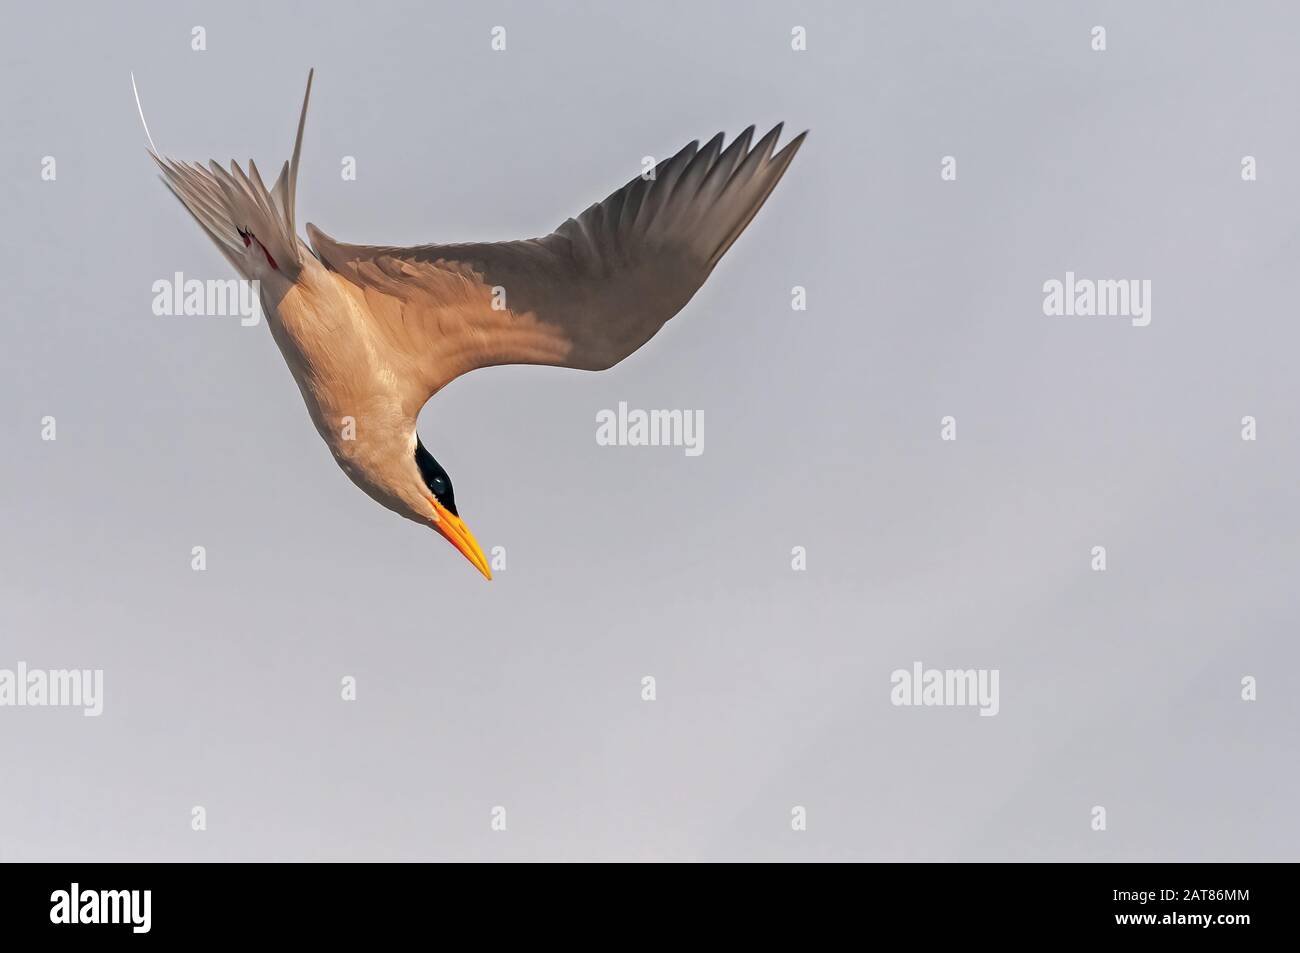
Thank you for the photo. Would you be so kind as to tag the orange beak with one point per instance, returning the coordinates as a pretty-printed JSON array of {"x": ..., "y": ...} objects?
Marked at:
[{"x": 458, "y": 534}]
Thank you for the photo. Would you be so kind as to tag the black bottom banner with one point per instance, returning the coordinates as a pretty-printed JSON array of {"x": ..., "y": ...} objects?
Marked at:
[{"x": 139, "y": 903}]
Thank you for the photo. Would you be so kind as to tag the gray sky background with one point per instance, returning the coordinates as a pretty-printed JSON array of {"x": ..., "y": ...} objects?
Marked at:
[{"x": 1118, "y": 689}]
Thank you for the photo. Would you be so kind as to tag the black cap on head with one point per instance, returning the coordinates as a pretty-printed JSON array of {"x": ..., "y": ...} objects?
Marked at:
[{"x": 435, "y": 477}]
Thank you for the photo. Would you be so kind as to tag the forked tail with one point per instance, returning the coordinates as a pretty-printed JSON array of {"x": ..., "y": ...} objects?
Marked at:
[{"x": 251, "y": 225}]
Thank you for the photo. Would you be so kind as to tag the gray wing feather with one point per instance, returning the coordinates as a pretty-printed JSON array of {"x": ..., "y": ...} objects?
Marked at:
[{"x": 587, "y": 295}]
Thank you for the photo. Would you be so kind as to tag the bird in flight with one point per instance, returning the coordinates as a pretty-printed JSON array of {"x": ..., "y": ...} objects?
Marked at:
[{"x": 371, "y": 332}]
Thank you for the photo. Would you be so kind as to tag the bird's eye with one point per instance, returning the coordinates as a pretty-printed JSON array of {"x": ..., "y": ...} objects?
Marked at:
[{"x": 435, "y": 478}]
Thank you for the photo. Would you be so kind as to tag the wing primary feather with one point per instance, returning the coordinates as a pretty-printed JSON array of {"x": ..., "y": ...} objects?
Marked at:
[
  {"x": 720, "y": 174},
  {"x": 773, "y": 174}
]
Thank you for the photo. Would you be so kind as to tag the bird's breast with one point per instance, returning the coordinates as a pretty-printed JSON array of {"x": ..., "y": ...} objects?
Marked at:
[{"x": 345, "y": 380}]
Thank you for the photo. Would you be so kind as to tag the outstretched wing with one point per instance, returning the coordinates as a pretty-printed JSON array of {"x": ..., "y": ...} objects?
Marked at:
[{"x": 585, "y": 296}]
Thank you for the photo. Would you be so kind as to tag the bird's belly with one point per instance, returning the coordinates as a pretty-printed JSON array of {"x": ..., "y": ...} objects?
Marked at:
[{"x": 344, "y": 385}]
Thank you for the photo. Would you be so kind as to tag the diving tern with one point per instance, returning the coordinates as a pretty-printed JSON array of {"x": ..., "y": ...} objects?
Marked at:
[{"x": 371, "y": 332}]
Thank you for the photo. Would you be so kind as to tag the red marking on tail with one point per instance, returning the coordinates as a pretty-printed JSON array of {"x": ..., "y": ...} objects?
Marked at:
[{"x": 249, "y": 238}]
